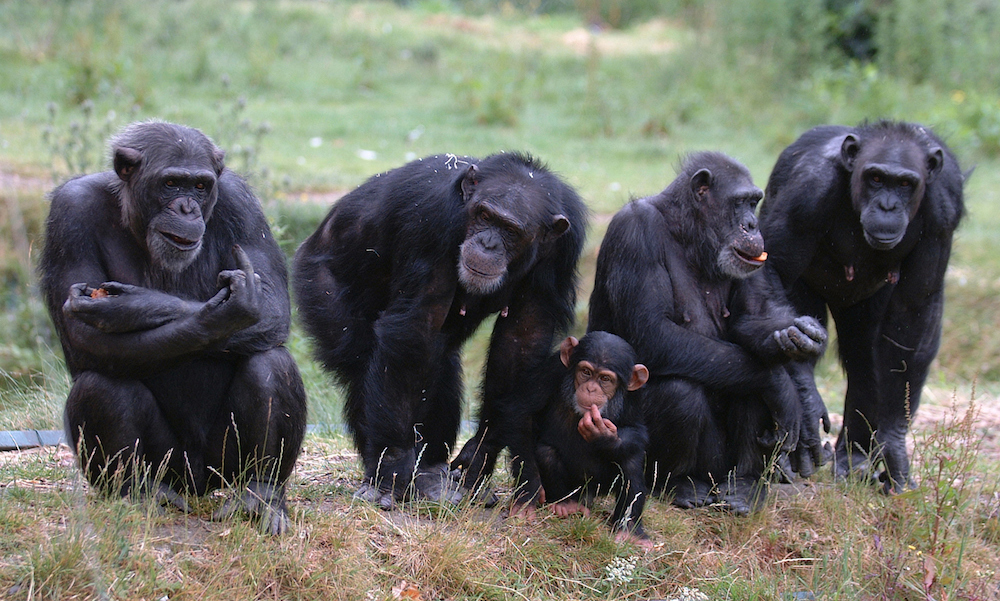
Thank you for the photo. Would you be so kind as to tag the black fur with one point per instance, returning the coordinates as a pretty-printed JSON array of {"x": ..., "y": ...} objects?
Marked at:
[
  {"x": 875, "y": 254},
  {"x": 392, "y": 284},
  {"x": 181, "y": 362},
  {"x": 719, "y": 402}
]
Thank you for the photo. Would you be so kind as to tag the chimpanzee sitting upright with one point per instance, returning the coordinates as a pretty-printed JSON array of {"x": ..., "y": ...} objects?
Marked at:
[
  {"x": 860, "y": 221},
  {"x": 403, "y": 270},
  {"x": 675, "y": 278},
  {"x": 590, "y": 437},
  {"x": 170, "y": 299}
]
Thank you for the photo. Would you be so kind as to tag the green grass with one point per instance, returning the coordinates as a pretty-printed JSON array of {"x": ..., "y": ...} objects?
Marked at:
[{"x": 612, "y": 113}]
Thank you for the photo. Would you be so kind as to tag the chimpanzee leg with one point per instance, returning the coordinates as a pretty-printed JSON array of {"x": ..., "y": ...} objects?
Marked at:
[
  {"x": 631, "y": 498},
  {"x": 857, "y": 334},
  {"x": 259, "y": 433},
  {"x": 121, "y": 437},
  {"x": 753, "y": 450},
  {"x": 437, "y": 429},
  {"x": 686, "y": 441}
]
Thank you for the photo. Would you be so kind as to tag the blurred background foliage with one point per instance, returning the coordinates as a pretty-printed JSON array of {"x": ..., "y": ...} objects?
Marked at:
[{"x": 311, "y": 97}]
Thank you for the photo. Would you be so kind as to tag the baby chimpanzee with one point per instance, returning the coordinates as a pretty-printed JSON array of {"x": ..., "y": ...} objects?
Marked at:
[{"x": 589, "y": 437}]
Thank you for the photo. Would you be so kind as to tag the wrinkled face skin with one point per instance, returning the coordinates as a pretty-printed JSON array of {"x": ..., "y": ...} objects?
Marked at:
[
  {"x": 594, "y": 386},
  {"x": 888, "y": 178},
  {"x": 590, "y": 383},
  {"x": 168, "y": 189},
  {"x": 174, "y": 235},
  {"x": 733, "y": 200},
  {"x": 505, "y": 228}
]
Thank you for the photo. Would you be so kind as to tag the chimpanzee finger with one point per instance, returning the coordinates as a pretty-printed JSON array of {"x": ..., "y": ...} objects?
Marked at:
[
  {"x": 811, "y": 328},
  {"x": 242, "y": 260},
  {"x": 219, "y": 297},
  {"x": 117, "y": 288},
  {"x": 81, "y": 289}
]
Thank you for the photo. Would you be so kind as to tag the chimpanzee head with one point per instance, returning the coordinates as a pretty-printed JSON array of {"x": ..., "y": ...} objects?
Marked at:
[
  {"x": 716, "y": 215},
  {"x": 167, "y": 188},
  {"x": 890, "y": 166},
  {"x": 508, "y": 200},
  {"x": 602, "y": 367}
]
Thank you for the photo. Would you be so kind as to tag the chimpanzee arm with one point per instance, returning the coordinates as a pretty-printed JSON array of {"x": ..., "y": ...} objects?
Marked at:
[
  {"x": 765, "y": 324},
  {"x": 631, "y": 440},
  {"x": 198, "y": 327},
  {"x": 239, "y": 212}
]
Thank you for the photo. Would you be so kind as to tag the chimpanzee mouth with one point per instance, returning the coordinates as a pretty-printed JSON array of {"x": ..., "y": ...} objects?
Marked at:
[
  {"x": 751, "y": 260},
  {"x": 882, "y": 242},
  {"x": 179, "y": 242},
  {"x": 481, "y": 274}
]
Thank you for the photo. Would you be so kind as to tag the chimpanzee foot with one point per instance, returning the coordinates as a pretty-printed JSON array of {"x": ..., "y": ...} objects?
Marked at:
[
  {"x": 891, "y": 486},
  {"x": 164, "y": 495},
  {"x": 743, "y": 495},
  {"x": 373, "y": 494},
  {"x": 263, "y": 501},
  {"x": 435, "y": 483},
  {"x": 688, "y": 493},
  {"x": 854, "y": 465}
]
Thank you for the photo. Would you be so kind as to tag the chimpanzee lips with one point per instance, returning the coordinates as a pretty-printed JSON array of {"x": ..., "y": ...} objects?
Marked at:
[
  {"x": 180, "y": 242},
  {"x": 745, "y": 257}
]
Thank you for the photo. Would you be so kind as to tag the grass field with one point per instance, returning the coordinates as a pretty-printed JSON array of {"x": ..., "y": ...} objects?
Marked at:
[{"x": 309, "y": 98}]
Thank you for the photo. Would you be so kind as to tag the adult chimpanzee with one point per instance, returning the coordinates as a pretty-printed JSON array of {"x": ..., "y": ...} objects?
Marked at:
[
  {"x": 402, "y": 271},
  {"x": 860, "y": 220},
  {"x": 170, "y": 298},
  {"x": 590, "y": 437},
  {"x": 676, "y": 279}
]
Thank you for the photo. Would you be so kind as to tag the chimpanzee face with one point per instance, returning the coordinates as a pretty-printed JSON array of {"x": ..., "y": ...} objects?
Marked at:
[
  {"x": 888, "y": 177},
  {"x": 601, "y": 368},
  {"x": 505, "y": 230},
  {"x": 168, "y": 196},
  {"x": 731, "y": 200}
]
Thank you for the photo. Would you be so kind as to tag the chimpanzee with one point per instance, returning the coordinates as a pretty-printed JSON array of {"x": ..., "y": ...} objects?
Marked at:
[
  {"x": 170, "y": 298},
  {"x": 402, "y": 271},
  {"x": 860, "y": 221},
  {"x": 590, "y": 436},
  {"x": 677, "y": 278}
]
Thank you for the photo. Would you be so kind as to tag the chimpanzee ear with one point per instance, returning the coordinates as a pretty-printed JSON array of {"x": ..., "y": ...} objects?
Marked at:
[
  {"x": 849, "y": 149},
  {"x": 640, "y": 375},
  {"x": 219, "y": 161},
  {"x": 126, "y": 162},
  {"x": 560, "y": 225},
  {"x": 566, "y": 349},
  {"x": 701, "y": 182},
  {"x": 469, "y": 181},
  {"x": 935, "y": 161}
]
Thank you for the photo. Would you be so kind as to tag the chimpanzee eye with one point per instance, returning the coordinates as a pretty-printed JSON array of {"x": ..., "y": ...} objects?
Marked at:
[
  {"x": 586, "y": 372},
  {"x": 484, "y": 215},
  {"x": 904, "y": 184},
  {"x": 200, "y": 186},
  {"x": 876, "y": 179},
  {"x": 606, "y": 379},
  {"x": 170, "y": 183}
]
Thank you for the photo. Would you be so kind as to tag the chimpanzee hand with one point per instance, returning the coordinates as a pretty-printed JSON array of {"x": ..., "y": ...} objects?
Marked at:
[
  {"x": 237, "y": 305},
  {"x": 783, "y": 401},
  {"x": 593, "y": 427},
  {"x": 114, "y": 307},
  {"x": 804, "y": 339},
  {"x": 811, "y": 452}
]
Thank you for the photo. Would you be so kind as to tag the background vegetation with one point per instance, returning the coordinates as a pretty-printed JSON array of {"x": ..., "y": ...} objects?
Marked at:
[{"x": 309, "y": 98}]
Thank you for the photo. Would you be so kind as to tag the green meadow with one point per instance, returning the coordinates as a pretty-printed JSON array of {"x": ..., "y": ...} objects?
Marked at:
[{"x": 310, "y": 97}]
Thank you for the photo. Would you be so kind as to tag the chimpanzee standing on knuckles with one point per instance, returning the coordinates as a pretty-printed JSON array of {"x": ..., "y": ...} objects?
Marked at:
[
  {"x": 676, "y": 279},
  {"x": 170, "y": 298},
  {"x": 403, "y": 270},
  {"x": 590, "y": 437},
  {"x": 860, "y": 221}
]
